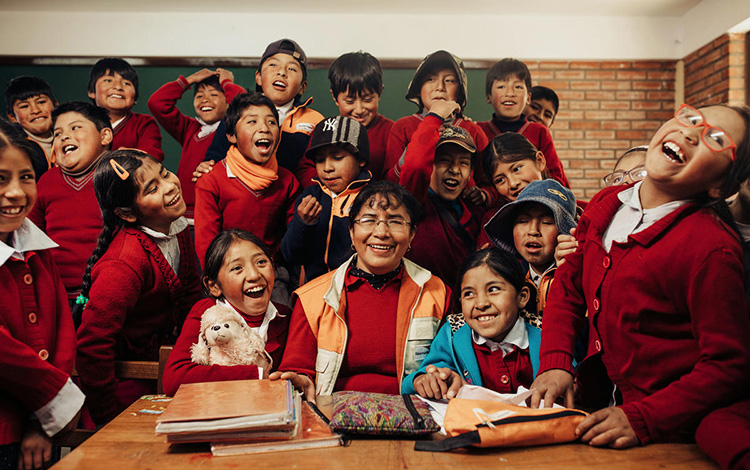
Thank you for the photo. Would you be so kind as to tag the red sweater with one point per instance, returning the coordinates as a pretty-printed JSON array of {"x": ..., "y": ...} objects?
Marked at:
[
  {"x": 68, "y": 213},
  {"x": 370, "y": 357},
  {"x": 222, "y": 202},
  {"x": 163, "y": 105},
  {"x": 181, "y": 369},
  {"x": 504, "y": 374},
  {"x": 435, "y": 234},
  {"x": 137, "y": 303},
  {"x": 667, "y": 314},
  {"x": 542, "y": 140},
  {"x": 139, "y": 131},
  {"x": 377, "y": 136},
  {"x": 37, "y": 339}
]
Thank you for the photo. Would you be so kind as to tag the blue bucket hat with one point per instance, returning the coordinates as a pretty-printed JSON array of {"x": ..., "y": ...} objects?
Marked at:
[{"x": 559, "y": 199}]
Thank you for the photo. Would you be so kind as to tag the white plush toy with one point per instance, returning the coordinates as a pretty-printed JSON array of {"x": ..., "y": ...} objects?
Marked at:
[{"x": 226, "y": 340}]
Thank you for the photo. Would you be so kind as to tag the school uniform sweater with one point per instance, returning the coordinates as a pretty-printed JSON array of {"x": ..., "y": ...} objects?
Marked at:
[
  {"x": 184, "y": 129},
  {"x": 435, "y": 233},
  {"x": 724, "y": 435},
  {"x": 180, "y": 368},
  {"x": 67, "y": 211},
  {"x": 137, "y": 303},
  {"x": 37, "y": 339},
  {"x": 667, "y": 314},
  {"x": 223, "y": 202},
  {"x": 139, "y": 131},
  {"x": 537, "y": 134},
  {"x": 325, "y": 245}
]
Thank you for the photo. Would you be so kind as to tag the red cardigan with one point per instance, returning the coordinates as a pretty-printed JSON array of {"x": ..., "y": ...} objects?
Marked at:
[
  {"x": 377, "y": 136},
  {"x": 667, "y": 314},
  {"x": 67, "y": 211},
  {"x": 181, "y": 369},
  {"x": 139, "y": 131},
  {"x": 137, "y": 303},
  {"x": 37, "y": 340},
  {"x": 163, "y": 105},
  {"x": 222, "y": 203}
]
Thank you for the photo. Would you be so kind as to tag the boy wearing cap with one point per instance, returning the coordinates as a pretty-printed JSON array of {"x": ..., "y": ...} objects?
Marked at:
[
  {"x": 282, "y": 77},
  {"x": 437, "y": 167},
  {"x": 528, "y": 227},
  {"x": 318, "y": 235}
]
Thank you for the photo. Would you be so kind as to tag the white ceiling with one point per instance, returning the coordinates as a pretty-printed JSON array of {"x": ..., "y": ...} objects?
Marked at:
[{"x": 627, "y": 8}]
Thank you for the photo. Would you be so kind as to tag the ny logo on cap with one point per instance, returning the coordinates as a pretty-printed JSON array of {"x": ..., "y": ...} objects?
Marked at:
[{"x": 330, "y": 125}]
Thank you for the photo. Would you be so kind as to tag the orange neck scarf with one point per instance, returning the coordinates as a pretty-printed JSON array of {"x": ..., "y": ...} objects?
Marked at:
[{"x": 256, "y": 177}]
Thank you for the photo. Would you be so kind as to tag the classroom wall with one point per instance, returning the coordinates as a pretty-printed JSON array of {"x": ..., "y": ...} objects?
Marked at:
[{"x": 715, "y": 73}]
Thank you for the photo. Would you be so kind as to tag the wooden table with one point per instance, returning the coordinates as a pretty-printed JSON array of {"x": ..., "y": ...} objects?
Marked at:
[{"x": 129, "y": 442}]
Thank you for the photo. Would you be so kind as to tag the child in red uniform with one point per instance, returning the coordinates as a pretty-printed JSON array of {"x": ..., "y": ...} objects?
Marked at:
[
  {"x": 356, "y": 85},
  {"x": 113, "y": 85},
  {"x": 212, "y": 91},
  {"x": 66, "y": 209},
  {"x": 140, "y": 281},
  {"x": 239, "y": 275},
  {"x": 543, "y": 106},
  {"x": 37, "y": 339},
  {"x": 439, "y": 77},
  {"x": 248, "y": 189},
  {"x": 661, "y": 276},
  {"x": 507, "y": 87}
]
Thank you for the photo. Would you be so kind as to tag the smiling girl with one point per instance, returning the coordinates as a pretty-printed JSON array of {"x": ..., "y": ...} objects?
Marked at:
[
  {"x": 661, "y": 276},
  {"x": 239, "y": 274},
  {"x": 140, "y": 281}
]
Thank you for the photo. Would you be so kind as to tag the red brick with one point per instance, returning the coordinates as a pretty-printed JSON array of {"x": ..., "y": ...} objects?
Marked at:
[
  {"x": 660, "y": 95},
  {"x": 736, "y": 59},
  {"x": 585, "y": 163},
  {"x": 600, "y": 115},
  {"x": 600, "y": 95},
  {"x": 553, "y": 65},
  {"x": 555, "y": 84},
  {"x": 616, "y": 65},
  {"x": 631, "y": 134},
  {"x": 631, "y": 115},
  {"x": 582, "y": 184},
  {"x": 630, "y": 95},
  {"x": 583, "y": 105},
  {"x": 600, "y": 75},
  {"x": 721, "y": 40},
  {"x": 631, "y": 75},
  {"x": 618, "y": 105},
  {"x": 560, "y": 124},
  {"x": 570, "y": 155},
  {"x": 617, "y": 145},
  {"x": 570, "y": 95},
  {"x": 648, "y": 85},
  {"x": 561, "y": 144},
  {"x": 609, "y": 164},
  {"x": 569, "y": 75},
  {"x": 584, "y": 85},
  {"x": 601, "y": 135},
  {"x": 569, "y": 135},
  {"x": 584, "y": 65},
  {"x": 651, "y": 105},
  {"x": 597, "y": 174},
  {"x": 616, "y": 125},
  {"x": 565, "y": 114},
  {"x": 653, "y": 64},
  {"x": 598, "y": 155},
  {"x": 586, "y": 125},
  {"x": 543, "y": 75},
  {"x": 661, "y": 116},
  {"x": 705, "y": 49},
  {"x": 646, "y": 125},
  {"x": 584, "y": 144},
  {"x": 661, "y": 75},
  {"x": 616, "y": 85},
  {"x": 574, "y": 174},
  {"x": 588, "y": 194}
]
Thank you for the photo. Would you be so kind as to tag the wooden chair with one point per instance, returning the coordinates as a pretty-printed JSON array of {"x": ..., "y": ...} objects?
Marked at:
[{"x": 148, "y": 370}]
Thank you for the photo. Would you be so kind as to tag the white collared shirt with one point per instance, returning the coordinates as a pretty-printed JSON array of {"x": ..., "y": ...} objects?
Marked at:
[
  {"x": 206, "y": 128},
  {"x": 262, "y": 330},
  {"x": 118, "y": 122},
  {"x": 168, "y": 243},
  {"x": 744, "y": 231},
  {"x": 535, "y": 276},
  {"x": 632, "y": 218},
  {"x": 517, "y": 336},
  {"x": 28, "y": 237},
  {"x": 284, "y": 111}
]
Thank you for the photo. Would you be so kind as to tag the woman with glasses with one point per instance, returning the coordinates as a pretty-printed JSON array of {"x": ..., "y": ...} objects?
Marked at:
[
  {"x": 368, "y": 324},
  {"x": 658, "y": 277}
]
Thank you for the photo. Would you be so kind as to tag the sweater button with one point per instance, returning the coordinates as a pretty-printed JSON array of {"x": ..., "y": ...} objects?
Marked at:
[
  {"x": 606, "y": 261},
  {"x": 32, "y": 317},
  {"x": 43, "y": 354},
  {"x": 27, "y": 279},
  {"x": 598, "y": 345},
  {"x": 596, "y": 305},
  {"x": 504, "y": 379}
]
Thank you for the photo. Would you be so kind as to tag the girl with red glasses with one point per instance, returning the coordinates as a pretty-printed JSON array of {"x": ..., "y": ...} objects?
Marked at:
[{"x": 661, "y": 276}]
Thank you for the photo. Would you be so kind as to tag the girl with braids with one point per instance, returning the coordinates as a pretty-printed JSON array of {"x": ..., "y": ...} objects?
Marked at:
[
  {"x": 659, "y": 267},
  {"x": 140, "y": 281},
  {"x": 37, "y": 338}
]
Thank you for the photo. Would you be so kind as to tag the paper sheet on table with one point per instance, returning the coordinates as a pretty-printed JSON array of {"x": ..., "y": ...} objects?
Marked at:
[{"x": 474, "y": 392}]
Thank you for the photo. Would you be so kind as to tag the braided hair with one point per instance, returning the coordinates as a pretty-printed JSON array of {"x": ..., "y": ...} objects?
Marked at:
[{"x": 116, "y": 193}]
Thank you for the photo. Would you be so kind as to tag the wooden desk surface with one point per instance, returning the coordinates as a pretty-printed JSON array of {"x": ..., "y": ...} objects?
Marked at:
[{"x": 129, "y": 442}]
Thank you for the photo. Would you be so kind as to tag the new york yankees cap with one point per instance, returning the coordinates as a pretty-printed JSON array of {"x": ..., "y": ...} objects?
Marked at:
[{"x": 342, "y": 131}]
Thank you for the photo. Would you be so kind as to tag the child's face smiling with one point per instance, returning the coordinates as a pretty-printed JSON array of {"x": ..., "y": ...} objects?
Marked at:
[
  {"x": 34, "y": 114},
  {"x": 17, "y": 190},
  {"x": 337, "y": 167},
  {"x": 489, "y": 303},
  {"x": 114, "y": 93},
  {"x": 535, "y": 235},
  {"x": 159, "y": 201},
  {"x": 77, "y": 142},
  {"x": 510, "y": 178},
  {"x": 362, "y": 108},
  {"x": 210, "y": 104},
  {"x": 450, "y": 171},
  {"x": 281, "y": 78},
  {"x": 245, "y": 278},
  {"x": 256, "y": 134},
  {"x": 509, "y": 97},
  {"x": 542, "y": 111},
  {"x": 680, "y": 165},
  {"x": 439, "y": 85}
]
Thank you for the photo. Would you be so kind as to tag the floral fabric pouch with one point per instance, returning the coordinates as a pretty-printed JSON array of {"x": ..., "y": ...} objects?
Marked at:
[{"x": 380, "y": 414}]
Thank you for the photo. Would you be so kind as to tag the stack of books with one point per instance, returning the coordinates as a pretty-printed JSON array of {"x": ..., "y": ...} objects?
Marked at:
[{"x": 244, "y": 416}]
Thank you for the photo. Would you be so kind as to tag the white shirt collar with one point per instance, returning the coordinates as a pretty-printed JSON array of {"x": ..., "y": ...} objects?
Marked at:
[
  {"x": 174, "y": 228},
  {"x": 28, "y": 237},
  {"x": 284, "y": 111},
  {"x": 517, "y": 336},
  {"x": 118, "y": 122},
  {"x": 206, "y": 128},
  {"x": 262, "y": 330}
]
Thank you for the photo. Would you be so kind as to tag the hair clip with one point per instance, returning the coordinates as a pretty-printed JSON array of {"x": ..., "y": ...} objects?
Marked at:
[{"x": 121, "y": 172}]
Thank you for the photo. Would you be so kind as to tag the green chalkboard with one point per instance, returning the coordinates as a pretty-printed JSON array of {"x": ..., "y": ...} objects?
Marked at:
[{"x": 69, "y": 83}]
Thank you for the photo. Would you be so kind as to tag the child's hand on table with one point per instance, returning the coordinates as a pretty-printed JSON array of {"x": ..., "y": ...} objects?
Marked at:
[
  {"x": 607, "y": 427},
  {"x": 300, "y": 381},
  {"x": 438, "y": 383},
  {"x": 36, "y": 449}
]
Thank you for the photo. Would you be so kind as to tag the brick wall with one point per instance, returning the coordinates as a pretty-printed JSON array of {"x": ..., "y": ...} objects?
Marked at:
[
  {"x": 715, "y": 73},
  {"x": 605, "y": 108}
]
